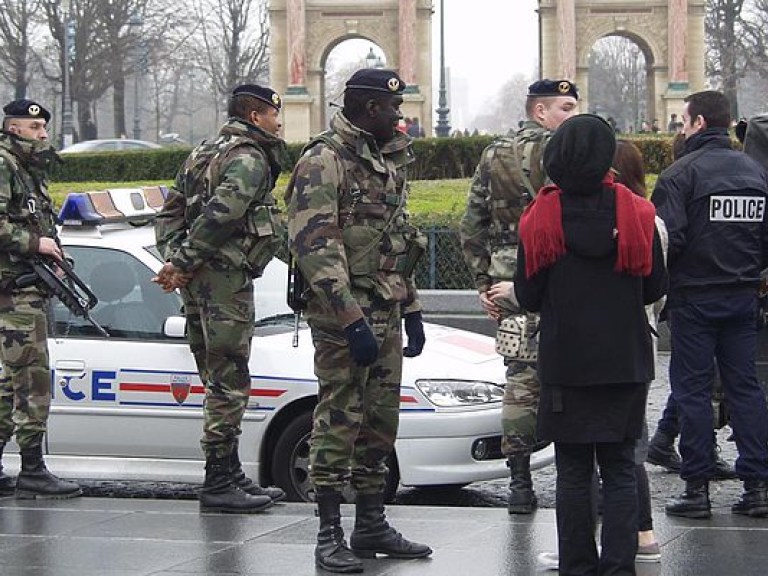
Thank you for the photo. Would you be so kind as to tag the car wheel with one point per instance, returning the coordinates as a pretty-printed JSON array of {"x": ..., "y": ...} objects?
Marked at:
[
  {"x": 290, "y": 464},
  {"x": 290, "y": 460}
]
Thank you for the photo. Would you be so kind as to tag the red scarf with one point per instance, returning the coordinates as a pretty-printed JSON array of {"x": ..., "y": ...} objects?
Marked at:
[{"x": 541, "y": 230}]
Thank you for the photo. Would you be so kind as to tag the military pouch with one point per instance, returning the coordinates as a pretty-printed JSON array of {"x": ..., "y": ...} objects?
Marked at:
[
  {"x": 517, "y": 337},
  {"x": 362, "y": 246},
  {"x": 264, "y": 241}
]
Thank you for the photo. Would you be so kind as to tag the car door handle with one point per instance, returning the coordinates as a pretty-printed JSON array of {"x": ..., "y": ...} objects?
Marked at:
[{"x": 70, "y": 366}]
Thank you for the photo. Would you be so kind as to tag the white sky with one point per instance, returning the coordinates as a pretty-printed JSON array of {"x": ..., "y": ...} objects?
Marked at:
[{"x": 487, "y": 42}]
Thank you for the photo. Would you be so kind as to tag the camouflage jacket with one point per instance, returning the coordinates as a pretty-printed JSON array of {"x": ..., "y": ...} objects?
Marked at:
[
  {"x": 509, "y": 174},
  {"x": 26, "y": 209},
  {"x": 347, "y": 223},
  {"x": 220, "y": 211}
]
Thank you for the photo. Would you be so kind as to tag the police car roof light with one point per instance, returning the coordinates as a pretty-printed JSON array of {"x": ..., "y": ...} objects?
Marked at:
[{"x": 110, "y": 206}]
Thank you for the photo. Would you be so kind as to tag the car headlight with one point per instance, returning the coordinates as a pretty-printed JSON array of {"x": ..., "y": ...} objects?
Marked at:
[{"x": 449, "y": 393}]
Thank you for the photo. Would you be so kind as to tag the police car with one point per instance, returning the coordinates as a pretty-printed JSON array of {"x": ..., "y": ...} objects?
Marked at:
[{"x": 128, "y": 406}]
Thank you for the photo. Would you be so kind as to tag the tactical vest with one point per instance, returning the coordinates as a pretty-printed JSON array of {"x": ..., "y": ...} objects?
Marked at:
[
  {"x": 259, "y": 240},
  {"x": 515, "y": 175},
  {"x": 378, "y": 238},
  {"x": 31, "y": 209}
]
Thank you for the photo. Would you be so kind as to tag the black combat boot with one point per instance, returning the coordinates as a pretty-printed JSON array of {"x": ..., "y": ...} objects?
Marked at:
[
  {"x": 723, "y": 470},
  {"x": 693, "y": 503},
  {"x": 754, "y": 501},
  {"x": 7, "y": 484},
  {"x": 522, "y": 499},
  {"x": 332, "y": 552},
  {"x": 661, "y": 452},
  {"x": 35, "y": 481},
  {"x": 220, "y": 494},
  {"x": 249, "y": 486},
  {"x": 373, "y": 534}
]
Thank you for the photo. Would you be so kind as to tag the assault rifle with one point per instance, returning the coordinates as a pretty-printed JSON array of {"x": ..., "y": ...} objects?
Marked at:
[
  {"x": 69, "y": 289},
  {"x": 296, "y": 295}
]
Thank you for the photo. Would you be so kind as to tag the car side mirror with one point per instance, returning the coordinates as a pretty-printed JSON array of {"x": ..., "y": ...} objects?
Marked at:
[{"x": 175, "y": 327}]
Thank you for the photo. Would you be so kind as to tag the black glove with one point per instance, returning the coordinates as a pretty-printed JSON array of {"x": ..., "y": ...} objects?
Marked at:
[
  {"x": 414, "y": 329},
  {"x": 362, "y": 344}
]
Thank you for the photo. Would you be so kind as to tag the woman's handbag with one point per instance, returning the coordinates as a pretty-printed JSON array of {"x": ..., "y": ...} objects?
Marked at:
[{"x": 517, "y": 337}]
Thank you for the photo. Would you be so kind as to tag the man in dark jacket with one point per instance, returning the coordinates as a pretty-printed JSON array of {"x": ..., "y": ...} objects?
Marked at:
[{"x": 713, "y": 202}]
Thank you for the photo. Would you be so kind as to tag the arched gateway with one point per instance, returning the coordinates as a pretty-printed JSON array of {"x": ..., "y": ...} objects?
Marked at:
[
  {"x": 305, "y": 31},
  {"x": 669, "y": 32}
]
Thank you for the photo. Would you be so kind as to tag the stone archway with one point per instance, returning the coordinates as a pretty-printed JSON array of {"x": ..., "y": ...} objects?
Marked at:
[
  {"x": 303, "y": 33},
  {"x": 670, "y": 33}
]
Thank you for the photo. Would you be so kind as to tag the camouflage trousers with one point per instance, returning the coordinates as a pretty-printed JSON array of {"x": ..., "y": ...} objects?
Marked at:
[
  {"x": 220, "y": 318},
  {"x": 519, "y": 408},
  {"x": 357, "y": 415},
  {"x": 25, "y": 382}
]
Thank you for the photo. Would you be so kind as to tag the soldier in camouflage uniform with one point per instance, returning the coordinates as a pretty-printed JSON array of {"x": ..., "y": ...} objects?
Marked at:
[
  {"x": 218, "y": 229},
  {"x": 509, "y": 175},
  {"x": 352, "y": 240},
  {"x": 27, "y": 230}
]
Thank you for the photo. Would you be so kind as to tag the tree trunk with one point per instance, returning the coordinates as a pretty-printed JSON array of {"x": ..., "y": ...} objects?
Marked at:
[{"x": 118, "y": 105}]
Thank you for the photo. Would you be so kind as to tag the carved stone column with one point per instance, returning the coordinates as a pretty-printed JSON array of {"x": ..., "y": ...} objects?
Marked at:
[
  {"x": 566, "y": 23},
  {"x": 297, "y": 33},
  {"x": 677, "y": 20}
]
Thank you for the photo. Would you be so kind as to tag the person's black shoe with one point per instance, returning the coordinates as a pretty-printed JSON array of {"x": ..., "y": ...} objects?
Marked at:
[
  {"x": 723, "y": 470},
  {"x": 754, "y": 501},
  {"x": 693, "y": 503},
  {"x": 661, "y": 452}
]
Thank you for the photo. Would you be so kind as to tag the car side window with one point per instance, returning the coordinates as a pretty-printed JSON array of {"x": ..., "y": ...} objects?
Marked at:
[
  {"x": 130, "y": 305},
  {"x": 104, "y": 146}
]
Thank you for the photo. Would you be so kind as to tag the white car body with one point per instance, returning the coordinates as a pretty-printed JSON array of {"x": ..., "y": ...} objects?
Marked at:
[{"x": 128, "y": 407}]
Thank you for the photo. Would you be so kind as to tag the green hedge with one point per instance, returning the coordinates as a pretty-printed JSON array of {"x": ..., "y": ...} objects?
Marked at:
[{"x": 436, "y": 159}]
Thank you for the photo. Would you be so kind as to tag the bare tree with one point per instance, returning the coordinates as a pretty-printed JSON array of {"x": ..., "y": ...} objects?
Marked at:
[
  {"x": 235, "y": 38},
  {"x": 90, "y": 76},
  {"x": 508, "y": 107},
  {"x": 618, "y": 81},
  {"x": 727, "y": 46},
  {"x": 16, "y": 19}
]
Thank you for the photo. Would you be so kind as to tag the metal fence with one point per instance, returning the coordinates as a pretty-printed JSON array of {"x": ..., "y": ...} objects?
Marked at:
[{"x": 443, "y": 266}]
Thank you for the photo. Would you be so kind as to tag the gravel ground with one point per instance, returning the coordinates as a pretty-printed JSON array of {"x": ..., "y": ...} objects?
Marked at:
[{"x": 484, "y": 494}]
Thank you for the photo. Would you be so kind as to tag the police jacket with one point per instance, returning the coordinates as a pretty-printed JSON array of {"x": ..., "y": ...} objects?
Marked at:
[
  {"x": 713, "y": 202},
  {"x": 347, "y": 223},
  {"x": 26, "y": 209}
]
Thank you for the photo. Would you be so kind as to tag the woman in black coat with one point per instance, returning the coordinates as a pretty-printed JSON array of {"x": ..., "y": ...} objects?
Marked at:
[{"x": 589, "y": 260}]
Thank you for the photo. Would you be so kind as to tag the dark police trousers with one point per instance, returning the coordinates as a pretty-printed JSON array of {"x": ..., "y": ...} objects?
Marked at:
[{"x": 722, "y": 328}]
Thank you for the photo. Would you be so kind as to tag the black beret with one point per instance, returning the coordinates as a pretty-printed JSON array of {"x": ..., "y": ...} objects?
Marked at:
[
  {"x": 376, "y": 79},
  {"x": 548, "y": 87},
  {"x": 26, "y": 109},
  {"x": 261, "y": 92}
]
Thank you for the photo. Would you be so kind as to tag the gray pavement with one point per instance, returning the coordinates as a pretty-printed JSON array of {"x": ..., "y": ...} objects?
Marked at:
[{"x": 135, "y": 537}]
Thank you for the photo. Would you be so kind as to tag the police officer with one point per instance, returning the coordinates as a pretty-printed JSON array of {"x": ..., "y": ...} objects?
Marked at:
[
  {"x": 713, "y": 202},
  {"x": 218, "y": 229},
  {"x": 350, "y": 234},
  {"x": 509, "y": 175},
  {"x": 27, "y": 230}
]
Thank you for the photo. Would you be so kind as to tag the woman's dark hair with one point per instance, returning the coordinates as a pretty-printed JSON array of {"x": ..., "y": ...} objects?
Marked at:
[{"x": 628, "y": 164}]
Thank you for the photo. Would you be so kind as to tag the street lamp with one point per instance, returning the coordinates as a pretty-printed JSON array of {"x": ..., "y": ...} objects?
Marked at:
[
  {"x": 67, "y": 137},
  {"x": 138, "y": 22},
  {"x": 372, "y": 60},
  {"x": 443, "y": 127}
]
